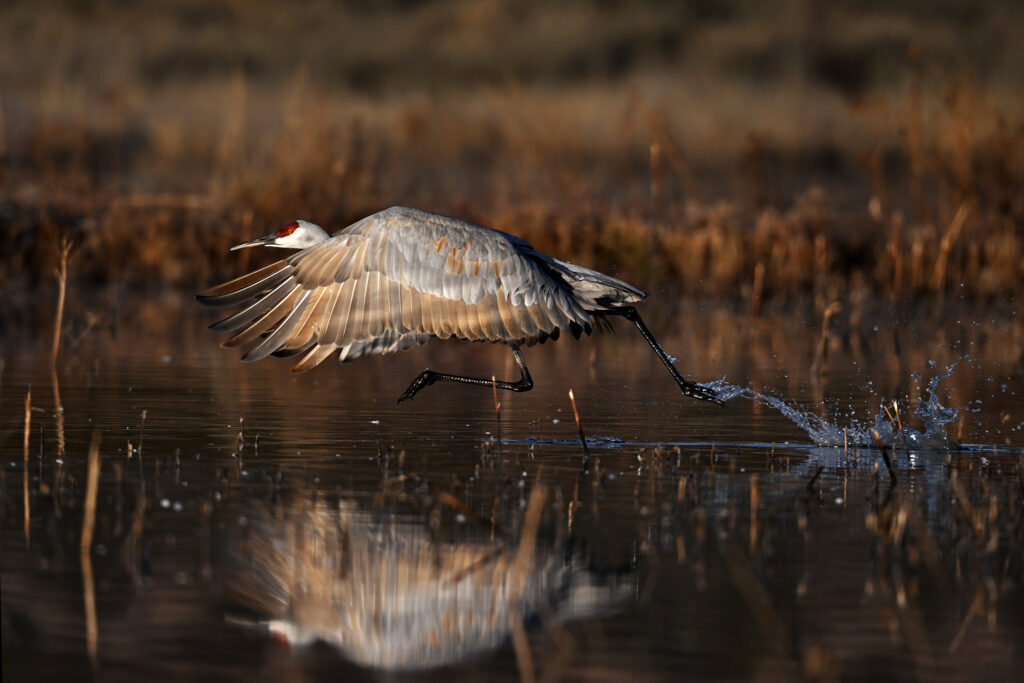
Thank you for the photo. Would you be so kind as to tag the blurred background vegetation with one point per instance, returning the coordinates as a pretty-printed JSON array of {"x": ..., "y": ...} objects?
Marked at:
[{"x": 785, "y": 155}]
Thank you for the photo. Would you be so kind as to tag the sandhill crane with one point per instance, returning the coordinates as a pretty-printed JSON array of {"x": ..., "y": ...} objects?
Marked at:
[{"x": 401, "y": 276}]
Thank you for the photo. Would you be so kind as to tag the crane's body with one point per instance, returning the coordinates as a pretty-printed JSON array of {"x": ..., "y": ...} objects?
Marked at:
[{"x": 402, "y": 276}]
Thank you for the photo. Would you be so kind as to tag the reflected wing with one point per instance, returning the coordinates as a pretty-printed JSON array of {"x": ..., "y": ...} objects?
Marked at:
[{"x": 391, "y": 281}]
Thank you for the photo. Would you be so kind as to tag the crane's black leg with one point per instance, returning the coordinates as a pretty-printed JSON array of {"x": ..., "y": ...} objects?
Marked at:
[
  {"x": 428, "y": 377},
  {"x": 688, "y": 388}
]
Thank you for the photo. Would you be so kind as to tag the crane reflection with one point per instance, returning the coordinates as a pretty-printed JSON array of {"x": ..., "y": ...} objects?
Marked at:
[{"x": 388, "y": 593}]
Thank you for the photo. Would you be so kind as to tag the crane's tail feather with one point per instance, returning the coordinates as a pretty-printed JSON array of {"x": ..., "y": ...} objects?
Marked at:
[{"x": 597, "y": 290}]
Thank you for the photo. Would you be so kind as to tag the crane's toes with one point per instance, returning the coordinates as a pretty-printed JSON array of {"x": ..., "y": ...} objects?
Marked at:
[
  {"x": 701, "y": 392},
  {"x": 424, "y": 379},
  {"x": 411, "y": 391}
]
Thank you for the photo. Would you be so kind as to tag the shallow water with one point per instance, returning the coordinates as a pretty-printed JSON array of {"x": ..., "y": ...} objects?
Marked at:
[{"x": 254, "y": 524}]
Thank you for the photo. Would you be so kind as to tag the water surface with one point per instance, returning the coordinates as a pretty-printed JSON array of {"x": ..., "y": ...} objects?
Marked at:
[{"x": 252, "y": 524}]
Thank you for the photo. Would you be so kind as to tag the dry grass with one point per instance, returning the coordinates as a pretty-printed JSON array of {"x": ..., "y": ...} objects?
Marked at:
[{"x": 701, "y": 175}]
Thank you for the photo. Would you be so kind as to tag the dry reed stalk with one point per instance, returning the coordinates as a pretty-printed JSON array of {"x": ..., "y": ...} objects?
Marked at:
[
  {"x": 885, "y": 455},
  {"x": 955, "y": 226},
  {"x": 206, "y": 569},
  {"x": 62, "y": 280},
  {"x": 972, "y": 611},
  {"x": 28, "y": 422},
  {"x": 814, "y": 478},
  {"x": 142, "y": 429},
  {"x": 239, "y": 440},
  {"x": 826, "y": 320},
  {"x": 451, "y": 501},
  {"x": 85, "y": 548},
  {"x": 758, "y": 290},
  {"x": 89, "y": 598},
  {"x": 899, "y": 425},
  {"x": 137, "y": 528},
  {"x": 895, "y": 250},
  {"x": 497, "y": 410},
  {"x": 520, "y": 570},
  {"x": 973, "y": 517},
  {"x": 878, "y": 205},
  {"x": 92, "y": 482},
  {"x": 55, "y": 384},
  {"x": 24, "y": 491},
  {"x": 579, "y": 428},
  {"x": 755, "y": 505}
]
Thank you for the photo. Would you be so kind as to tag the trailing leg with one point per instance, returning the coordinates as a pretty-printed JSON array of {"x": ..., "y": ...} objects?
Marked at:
[{"x": 428, "y": 377}]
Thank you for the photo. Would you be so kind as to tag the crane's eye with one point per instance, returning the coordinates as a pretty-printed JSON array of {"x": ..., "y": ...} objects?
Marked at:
[{"x": 288, "y": 229}]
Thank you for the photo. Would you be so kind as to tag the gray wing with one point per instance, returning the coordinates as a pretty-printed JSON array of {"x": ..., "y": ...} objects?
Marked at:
[{"x": 391, "y": 281}]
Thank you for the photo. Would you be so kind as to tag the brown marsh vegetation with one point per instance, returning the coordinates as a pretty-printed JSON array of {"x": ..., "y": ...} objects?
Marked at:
[
  {"x": 829, "y": 159},
  {"x": 824, "y": 153}
]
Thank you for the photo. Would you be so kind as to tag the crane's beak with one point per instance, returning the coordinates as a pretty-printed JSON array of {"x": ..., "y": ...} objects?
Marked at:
[{"x": 258, "y": 242}]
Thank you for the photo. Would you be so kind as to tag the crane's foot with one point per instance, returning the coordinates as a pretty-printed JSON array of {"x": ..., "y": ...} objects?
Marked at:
[
  {"x": 700, "y": 392},
  {"x": 424, "y": 379}
]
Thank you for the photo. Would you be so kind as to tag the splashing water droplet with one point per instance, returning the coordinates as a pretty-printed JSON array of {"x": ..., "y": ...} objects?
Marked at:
[{"x": 933, "y": 416}]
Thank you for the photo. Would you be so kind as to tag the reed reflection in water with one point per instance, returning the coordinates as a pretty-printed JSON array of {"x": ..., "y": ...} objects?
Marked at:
[{"x": 760, "y": 556}]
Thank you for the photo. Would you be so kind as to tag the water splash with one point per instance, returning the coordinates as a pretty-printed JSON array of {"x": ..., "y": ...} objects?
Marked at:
[{"x": 933, "y": 416}]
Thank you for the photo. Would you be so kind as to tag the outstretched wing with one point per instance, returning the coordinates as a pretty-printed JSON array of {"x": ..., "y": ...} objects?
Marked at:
[{"x": 391, "y": 281}]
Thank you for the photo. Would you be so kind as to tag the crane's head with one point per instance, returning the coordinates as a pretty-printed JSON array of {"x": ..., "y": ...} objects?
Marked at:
[{"x": 295, "y": 235}]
